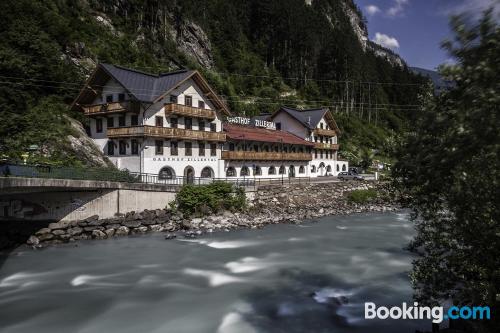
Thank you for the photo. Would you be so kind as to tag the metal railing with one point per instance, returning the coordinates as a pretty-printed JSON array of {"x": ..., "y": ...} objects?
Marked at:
[{"x": 55, "y": 172}]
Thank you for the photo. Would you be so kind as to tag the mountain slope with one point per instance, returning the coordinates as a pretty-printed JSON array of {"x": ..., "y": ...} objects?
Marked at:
[{"x": 257, "y": 54}]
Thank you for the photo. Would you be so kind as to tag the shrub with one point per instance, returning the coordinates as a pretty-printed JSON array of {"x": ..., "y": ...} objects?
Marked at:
[
  {"x": 361, "y": 196},
  {"x": 210, "y": 198}
]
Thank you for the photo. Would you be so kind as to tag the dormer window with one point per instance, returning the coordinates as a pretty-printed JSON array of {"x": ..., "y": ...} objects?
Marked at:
[
  {"x": 188, "y": 100},
  {"x": 201, "y": 104},
  {"x": 109, "y": 98},
  {"x": 321, "y": 125}
]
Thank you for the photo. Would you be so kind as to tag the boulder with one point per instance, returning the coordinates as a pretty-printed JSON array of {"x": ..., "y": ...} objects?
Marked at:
[
  {"x": 122, "y": 231},
  {"x": 43, "y": 231},
  {"x": 140, "y": 230},
  {"x": 98, "y": 234},
  {"x": 132, "y": 224},
  {"x": 75, "y": 231},
  {"x": 45, "y": 237},
  {"x": 91, "y": 218},
  {"x": 109, "y": 232},
  {"x": 33, "y": 240},
  {"x": 59, "y": 225},
  {"x": 58, "y": 232},
  {"x": 155, "y": 227}
]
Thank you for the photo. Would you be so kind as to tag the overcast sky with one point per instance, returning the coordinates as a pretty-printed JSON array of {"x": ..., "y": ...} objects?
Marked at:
[{"x": 415, "y": 28}]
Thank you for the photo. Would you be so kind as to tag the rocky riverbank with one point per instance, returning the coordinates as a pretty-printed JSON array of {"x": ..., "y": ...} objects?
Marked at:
[{"x": 271, "y": 205}]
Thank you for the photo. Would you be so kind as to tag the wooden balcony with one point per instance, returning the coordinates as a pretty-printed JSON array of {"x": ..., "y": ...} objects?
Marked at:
[
  {"x": 328, "y": 146},
  {"x": 324, "y": 132},
  {"x": 188, "y": 111},
  {"x": 265, "y": 156},
  {"x": 107, "y": 108},
  {"x": 165, "y": 133}
]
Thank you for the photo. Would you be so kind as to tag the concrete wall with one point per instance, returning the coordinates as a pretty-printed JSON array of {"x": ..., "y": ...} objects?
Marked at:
[{"x": 77, "y": 205}]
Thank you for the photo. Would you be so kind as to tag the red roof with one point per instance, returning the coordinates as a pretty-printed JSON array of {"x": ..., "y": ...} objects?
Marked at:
[{"x": 237, "y": 132}]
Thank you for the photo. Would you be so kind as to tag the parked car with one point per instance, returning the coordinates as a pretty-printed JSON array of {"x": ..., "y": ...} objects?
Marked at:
[{"x": 349, "y": 176}]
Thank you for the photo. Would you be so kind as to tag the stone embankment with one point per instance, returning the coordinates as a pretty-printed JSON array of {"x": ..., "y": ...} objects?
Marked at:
[{"x": 273, "y": 205}]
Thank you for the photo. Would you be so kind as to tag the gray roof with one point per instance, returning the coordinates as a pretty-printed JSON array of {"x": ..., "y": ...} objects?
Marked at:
[
  {"x": 309, "y": 118},
  {"x": 143, "y": 86}
]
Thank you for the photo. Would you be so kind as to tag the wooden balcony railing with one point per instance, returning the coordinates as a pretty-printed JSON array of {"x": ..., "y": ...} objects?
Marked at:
[
  {"x": 165, "y": 132},
  {"x": 330, "y": 146},
  {"x": 188, "y": 111},
  {"x": 265, "y": 156},
  {"x": 324, "y": 132},
  {"x": 106, "y": 108}
]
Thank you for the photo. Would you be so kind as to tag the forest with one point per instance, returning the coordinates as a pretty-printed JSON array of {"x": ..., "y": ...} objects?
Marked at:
[{"x": 257, "y": 54}]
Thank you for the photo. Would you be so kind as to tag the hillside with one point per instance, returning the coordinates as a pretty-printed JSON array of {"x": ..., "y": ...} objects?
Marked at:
[{"x": 257, "y": 54}]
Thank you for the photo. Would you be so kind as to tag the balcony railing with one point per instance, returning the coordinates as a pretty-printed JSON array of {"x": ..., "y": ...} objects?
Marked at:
[
  {"x": 324, "y": 132},
  {"x": 330, "y": 146},
  {"x": 265, "y": 156},
  {"x": 106, "y": 108},
  {"x": 188, "y": 111},
  {"x": 165, "y": 132}
]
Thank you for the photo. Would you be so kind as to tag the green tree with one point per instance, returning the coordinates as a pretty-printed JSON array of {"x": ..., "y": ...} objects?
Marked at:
[{"x": 449, "y": 169}]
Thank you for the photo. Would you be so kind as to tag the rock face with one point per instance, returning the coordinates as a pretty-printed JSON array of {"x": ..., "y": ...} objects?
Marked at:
[
  {"x": 270, "y": 205},
  {"x": 193, "y": 41}
]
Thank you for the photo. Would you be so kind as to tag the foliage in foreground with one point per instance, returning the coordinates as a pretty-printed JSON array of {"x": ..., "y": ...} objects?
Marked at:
[
  {"x": 449, "y": 171},
  {"x": 211, "y": 198},
  {"x": 361, "y": 196}
]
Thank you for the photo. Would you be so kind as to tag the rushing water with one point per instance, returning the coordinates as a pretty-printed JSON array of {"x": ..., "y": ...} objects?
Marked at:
[{"x": 313, "y": 277}]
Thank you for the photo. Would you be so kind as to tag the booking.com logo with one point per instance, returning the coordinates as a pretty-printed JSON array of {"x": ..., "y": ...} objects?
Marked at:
[{"x": 436, "y": 313}]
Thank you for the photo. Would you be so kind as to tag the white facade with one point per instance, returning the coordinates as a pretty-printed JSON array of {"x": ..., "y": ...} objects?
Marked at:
[{"x": 173, "y": 158}]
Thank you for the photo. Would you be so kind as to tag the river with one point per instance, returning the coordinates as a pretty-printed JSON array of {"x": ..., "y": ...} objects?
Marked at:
[{"x": 313, "y": 277}]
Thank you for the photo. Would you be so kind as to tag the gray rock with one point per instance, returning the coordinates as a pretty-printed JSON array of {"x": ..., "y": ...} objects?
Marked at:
[
  {"x": 98, "y": 234},
  {"x": 90, "y": 229},
  {"x": 122, "y": 231},
  {"x": 155, "y": 227},
  {"x": 132, "y": 224},
  {"x": 91, "y": 218},
  {"x": 45, "y": 237},
  {"x": 33, "y": 240},
  {"x": 75, "y": 231},
  {"x": 43, "y": 231},
  {"x": 58, "y": 232},
  {"x": 109, "y": 232},
  {"x": 140, "y": 230},
  {"x": 59, "y": 225}
]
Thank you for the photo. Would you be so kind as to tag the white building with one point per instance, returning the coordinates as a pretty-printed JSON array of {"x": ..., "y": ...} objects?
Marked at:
[{"x": 171, "y": 126}]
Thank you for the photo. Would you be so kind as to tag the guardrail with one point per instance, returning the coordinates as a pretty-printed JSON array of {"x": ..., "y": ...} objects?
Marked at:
[{"x": 55, "y": 172}]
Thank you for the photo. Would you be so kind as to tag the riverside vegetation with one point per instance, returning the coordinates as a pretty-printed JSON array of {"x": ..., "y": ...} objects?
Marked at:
[{"x": 219, "y": 208}]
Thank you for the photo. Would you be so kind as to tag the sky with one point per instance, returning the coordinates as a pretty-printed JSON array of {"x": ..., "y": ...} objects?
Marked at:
[{"x": 416, "y": 28}]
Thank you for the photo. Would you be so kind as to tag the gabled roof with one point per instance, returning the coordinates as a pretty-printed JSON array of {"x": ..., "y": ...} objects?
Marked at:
[
  {"x": 142, "y": 86},
  {"x": 309, "y": 118},
  {"x": 240, "y": 133}
]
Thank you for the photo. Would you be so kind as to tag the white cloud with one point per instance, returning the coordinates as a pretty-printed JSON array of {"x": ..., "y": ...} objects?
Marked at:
[
  {"x": 372, "y": 9},
  {"x": 397, "y": 7},
  {"x": 386, "y": 41}
]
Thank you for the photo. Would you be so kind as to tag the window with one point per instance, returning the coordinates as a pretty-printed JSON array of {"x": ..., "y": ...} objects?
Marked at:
[
  {"x": 188, "y": 100},
  {"x": 278, "y": 126},
  {"x": 344, "y": 168},
  {"x": 98, "y": 125},
  {"x": 109, "y": 98},
  {"x": 302, "y": 170},
  {"x": 134, "y": 120},
  {"x": 282, "y": 170},
  {"x": 266, "y": 149},
  {"x": 188, "y": 123},
  {"x": 231, "y": 146},
  {"x": 271, "y": 171},
  {"x": 244, "y": 172},
  {"x": 207, "y": 172},
  {"x": 213, "y": 127},
  {"x": 111, "y": 148},
  {"x": 321, "y": 125},
  {"x": 159, "y": 147},
  {"x": 159, "y": 121},
  {"x": 121, "y": 97},
  {"x": 201, "y": 125},
  {"x": 213, "y": 149},
  {"x": 166, "y": 173},
  {"x": 201, "y": 145},
  {"x": 173, "y": 122},
  {"x": 189, "y": 148},
  {"x": 329, "y": 168},
  {"x": 230, "y": 172},
  {"x": 135, "y": 147},
  {"x": 313, "y": 169},
  {"x": 315, "y": 154},
  {"x": 110, "y": 122},
  {"x": 122, "y": 146},
  {"x": 173, "y": 99},
  {"x": 255, "y": 148},
  {"x": 121, "y": 121},
  {"x": 201, "y": 104},
  {"x": 257, "y": 171},
  {"x": 174, "y": 148},
  {"x": 321, "y": 154},
  {"x": 276, "y": 149}
]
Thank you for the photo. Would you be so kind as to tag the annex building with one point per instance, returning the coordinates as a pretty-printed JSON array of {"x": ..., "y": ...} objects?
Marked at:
[{"x": 175, "y": 125}]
